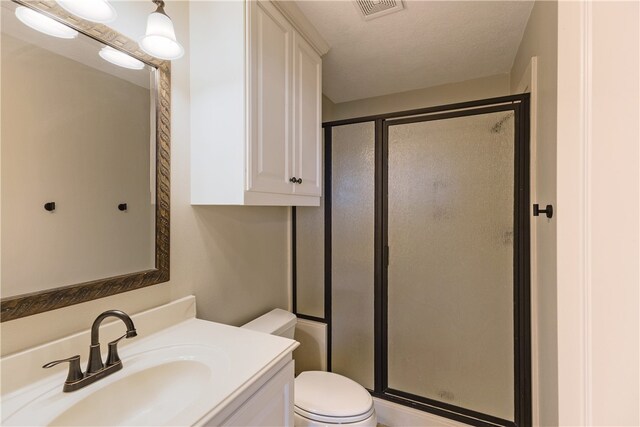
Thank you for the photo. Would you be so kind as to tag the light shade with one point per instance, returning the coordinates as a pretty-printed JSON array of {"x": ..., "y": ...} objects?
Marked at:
[
  {"x": 160, "y": 39},
  {"x": 120, "y": 59},
  {"x": 92, "y": 10},
  {"x": 44, "y": 24}
]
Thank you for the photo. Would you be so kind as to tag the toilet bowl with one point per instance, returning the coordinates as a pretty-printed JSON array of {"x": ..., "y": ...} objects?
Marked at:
[
  {"x": 321, "y": 398},
  {"x": 325, "y": 398}
]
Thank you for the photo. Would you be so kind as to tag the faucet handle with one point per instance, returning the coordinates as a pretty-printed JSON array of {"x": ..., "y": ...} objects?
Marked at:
[
  {"x": 75, "y": 371},
  {"x": 112, "y": 356}
]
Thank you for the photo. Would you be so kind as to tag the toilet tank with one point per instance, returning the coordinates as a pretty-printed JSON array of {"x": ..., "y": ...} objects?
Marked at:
[{"x": 276, "y": 322}]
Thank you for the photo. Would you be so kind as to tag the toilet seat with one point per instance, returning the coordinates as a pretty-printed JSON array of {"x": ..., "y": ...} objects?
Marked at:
[
  {"x": 331, "y": 398},
  {"x": 333, "y": 420}
]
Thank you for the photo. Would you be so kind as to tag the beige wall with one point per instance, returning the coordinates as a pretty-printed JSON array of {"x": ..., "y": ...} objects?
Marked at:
[
  {"x": 486, "y": 87},
  {"x": 327, "y": 108},
  {"x": 87, "y": 156},
  {"x": 234, "y": 259},
  {"x": 540, "y": 40}
]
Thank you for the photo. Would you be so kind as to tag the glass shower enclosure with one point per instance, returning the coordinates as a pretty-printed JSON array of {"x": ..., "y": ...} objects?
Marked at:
[{"x": 420, "y": 256}]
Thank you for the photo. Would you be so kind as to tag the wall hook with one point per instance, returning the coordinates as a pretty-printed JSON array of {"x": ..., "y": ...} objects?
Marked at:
[
  {"x": 122, "y": 206},
  {"x": 50, "y": 206},
  {"x": 547, "y": 210}
]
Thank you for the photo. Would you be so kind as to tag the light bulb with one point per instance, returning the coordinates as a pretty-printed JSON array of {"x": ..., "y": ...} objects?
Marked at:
[
  {"x": 99, "y": 11},
  {"x": 44, "y": 24},
  {"x": 160, "y": 37},
  {"x": 120, "y": 58}
]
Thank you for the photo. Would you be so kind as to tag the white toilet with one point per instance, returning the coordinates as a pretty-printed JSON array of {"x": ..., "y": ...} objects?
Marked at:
[{"x": 321, "y": 398}]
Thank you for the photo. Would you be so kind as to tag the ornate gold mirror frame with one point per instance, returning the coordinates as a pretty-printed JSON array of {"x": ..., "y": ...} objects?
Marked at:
[{"x": 38, "y": 302}]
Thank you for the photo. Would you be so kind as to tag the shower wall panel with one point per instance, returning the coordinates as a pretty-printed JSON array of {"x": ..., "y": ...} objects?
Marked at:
[
  {"x": 309, "y": 239},
  {"x": 310, "y": 260},
  {"x": 352, "y": 251}
]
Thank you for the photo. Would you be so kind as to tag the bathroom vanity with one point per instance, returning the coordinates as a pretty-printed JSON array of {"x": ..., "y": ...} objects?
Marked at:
[{"x": 179, "y": 371}]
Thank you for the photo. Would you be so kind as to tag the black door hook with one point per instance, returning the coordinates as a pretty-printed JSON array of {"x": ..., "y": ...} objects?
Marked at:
[{"x": 547, "y": 210}]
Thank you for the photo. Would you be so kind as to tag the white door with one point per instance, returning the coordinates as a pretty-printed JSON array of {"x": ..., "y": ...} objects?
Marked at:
[
  {"x": 270, "y": 87},
  {"x": 597, "y": 177},
  {"x": 307, "y": 92}
]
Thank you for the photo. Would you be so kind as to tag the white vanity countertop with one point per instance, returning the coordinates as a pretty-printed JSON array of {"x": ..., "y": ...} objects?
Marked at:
[{"x": 236, "y": 359}]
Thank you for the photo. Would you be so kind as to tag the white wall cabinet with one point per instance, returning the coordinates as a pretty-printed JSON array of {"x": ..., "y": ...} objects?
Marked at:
[
  {"x": 307, "y": 139},
  {"x": 256, "y": 93}
]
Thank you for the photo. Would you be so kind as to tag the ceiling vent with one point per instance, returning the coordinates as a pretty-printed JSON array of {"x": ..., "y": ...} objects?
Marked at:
[{"x": 371, "y": 9}]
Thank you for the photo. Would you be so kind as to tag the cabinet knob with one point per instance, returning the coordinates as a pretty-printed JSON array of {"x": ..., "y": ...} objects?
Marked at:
[
  {"x": 299, "y": 181},
  {"x": 293, "y": 179}
]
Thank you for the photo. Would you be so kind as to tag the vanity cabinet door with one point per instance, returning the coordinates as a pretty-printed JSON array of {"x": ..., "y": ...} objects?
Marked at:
[
  {"x": 270, "y": 139},
  {"x": 272, "y": 405},
  {"x": 307, "y": 103}
]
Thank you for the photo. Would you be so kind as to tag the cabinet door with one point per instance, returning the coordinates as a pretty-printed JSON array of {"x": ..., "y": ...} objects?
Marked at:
[
  {"x": 307, "y": 92},
  {"x": 272, "y": 405},
  {"x": 270, "y": 111}
]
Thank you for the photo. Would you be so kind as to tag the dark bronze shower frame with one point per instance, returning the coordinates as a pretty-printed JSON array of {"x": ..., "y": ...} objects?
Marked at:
[
  {"x": 37, "y": 302},
  {"x": 519, "y": 104}
]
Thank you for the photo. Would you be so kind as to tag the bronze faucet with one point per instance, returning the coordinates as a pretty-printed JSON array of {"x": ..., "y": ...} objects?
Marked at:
[{"x": 96, "y": 369}]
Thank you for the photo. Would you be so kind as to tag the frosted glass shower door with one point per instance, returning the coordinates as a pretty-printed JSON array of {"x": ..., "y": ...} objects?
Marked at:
[{"x": 450, "y": 274}]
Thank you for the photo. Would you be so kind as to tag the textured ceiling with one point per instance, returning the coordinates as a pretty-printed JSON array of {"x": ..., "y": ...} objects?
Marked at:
[{"x": 429, "y": 43}]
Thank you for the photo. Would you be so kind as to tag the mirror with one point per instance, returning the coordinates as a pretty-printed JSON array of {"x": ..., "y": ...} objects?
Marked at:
[{"x": 84, "y": 162}]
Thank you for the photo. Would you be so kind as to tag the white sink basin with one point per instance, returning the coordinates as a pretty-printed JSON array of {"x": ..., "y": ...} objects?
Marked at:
[
  {"x": 153, "y": 388},
  {"x": 146, "y": 397},
  {"x": 188, "y": 374}
]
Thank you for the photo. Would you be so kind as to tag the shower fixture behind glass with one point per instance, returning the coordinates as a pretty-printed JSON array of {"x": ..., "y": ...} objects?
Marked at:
[{"x": 418, "y": 260}]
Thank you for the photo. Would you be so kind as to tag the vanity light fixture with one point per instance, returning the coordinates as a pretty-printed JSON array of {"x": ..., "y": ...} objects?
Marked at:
[
  {"x": 160, "y": 38},
  {"x": 44, "y": 24},
  {"x": 120, "y": 58},
  {"x": 99, "y": 11}
]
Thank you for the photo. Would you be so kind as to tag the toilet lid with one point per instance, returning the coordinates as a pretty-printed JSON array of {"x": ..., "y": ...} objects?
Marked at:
[{"x": 325, "y": 395}]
